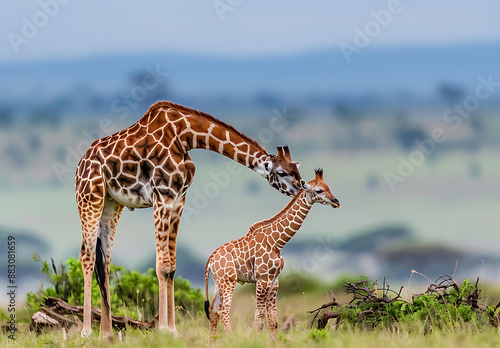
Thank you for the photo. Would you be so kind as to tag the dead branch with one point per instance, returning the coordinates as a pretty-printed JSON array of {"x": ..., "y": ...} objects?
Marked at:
[
  {"x": 323, "y": 320},
  {"x": 365, "y": 294},
  {"x": 61, "y": 319},
  {"x": 119, "y": 322},
  {"x": 473, "y": 298},
  {"x": 326, "y": 305},
  {"x": 57, "y": 310},
  {"x": 444, "y": 283},
  {"x": 41, "y": 320}
]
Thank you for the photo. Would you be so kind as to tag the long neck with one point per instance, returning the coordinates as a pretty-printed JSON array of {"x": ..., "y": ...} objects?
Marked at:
[
  {"x": 289, "y": 220},
  {"x": 197, "y": 130}
]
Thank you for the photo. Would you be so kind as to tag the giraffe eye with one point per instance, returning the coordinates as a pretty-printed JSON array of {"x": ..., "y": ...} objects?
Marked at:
[
  {"x": 282, "y": 174},
  {"x": 318, "y": 191}
]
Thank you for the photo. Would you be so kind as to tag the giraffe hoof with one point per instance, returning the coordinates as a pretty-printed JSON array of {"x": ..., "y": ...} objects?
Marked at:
[
  {"x": 86, "y": 333},
  {"x": 174, "y": 333},
  {"x": 108, "y": 336}
]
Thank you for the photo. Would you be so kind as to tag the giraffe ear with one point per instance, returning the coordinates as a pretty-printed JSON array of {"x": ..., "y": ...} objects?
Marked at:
[
  {"x": 264, "y": 168},
  {"x": 297, "y": 163},
  {"x": 268, "y": 166}
]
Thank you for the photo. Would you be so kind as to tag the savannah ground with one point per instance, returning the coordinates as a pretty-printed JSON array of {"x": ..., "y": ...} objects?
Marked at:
[
  {"x": 193, "y": 330},
  {"x": 193, "y": 335}
]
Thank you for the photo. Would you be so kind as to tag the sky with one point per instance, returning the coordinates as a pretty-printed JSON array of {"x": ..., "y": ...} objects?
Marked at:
[{"x": 65, "y": 29}]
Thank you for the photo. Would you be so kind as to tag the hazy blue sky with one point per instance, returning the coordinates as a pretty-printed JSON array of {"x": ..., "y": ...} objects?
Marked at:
[{"x": 82, "y": 28}]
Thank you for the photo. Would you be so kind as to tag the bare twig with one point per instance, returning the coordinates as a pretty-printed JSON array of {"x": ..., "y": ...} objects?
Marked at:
[
  {"x": 323, "y": 320},
  {"x": 57, "y": 310},
  {"x": 364, "y": 296}
]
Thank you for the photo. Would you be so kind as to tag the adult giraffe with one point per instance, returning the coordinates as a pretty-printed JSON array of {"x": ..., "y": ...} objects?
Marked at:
[{"x": 147, "y": 165}]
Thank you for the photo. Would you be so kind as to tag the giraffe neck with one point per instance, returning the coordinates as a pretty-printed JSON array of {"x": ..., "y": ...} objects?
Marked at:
[
  {"x": 197, "y": 130},
  {"x": 290, "y": 220}
]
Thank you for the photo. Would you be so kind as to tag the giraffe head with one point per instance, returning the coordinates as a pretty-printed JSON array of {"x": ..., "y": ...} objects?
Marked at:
[
  {"x": 318, "y": 191},
  {"x": 281, "y": 172}
]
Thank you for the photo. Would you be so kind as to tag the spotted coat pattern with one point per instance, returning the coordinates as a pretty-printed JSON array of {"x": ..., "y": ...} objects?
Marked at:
[
  {"x": 148, "y": 165},
  {"x": 256, "y": 258}
]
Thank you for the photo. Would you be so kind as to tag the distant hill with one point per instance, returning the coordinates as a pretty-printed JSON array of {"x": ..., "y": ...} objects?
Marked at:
[
  {"x": 411, "y": 71},
  {"x": 26, "y": 243},
  {"x": 27, "y": 271},
  {"x": 390, "y": 252}
]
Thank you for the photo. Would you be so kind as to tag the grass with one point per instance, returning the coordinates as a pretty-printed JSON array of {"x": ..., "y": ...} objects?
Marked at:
[
  {"x": 194, "y": 333},
  {"x": 193, "y": 328}
]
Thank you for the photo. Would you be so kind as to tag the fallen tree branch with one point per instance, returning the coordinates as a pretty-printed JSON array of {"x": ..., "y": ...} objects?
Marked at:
[
  {"x": 332, "y": 304},
  {"x": 370, "y": 305},
  {"x": 57, "y": 311},
  {"x": 365, "y": 294},
  {"x": 323, "y": 320},
  {"x": 41, "y": 320}
]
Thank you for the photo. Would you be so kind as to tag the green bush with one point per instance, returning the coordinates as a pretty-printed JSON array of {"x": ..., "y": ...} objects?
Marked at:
[
  {"x": 448, "y": 308},
  {"x": 298, "y": 283},
  {"x": 318, "y": 335},
  {"x": 132, "y": 293}
]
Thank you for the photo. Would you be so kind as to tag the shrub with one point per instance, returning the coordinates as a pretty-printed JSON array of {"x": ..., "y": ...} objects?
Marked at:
[
  {"x": 132, "y": 293},
  {"x": 445, "y": 306},
  {"x": 318, "y": 335}
]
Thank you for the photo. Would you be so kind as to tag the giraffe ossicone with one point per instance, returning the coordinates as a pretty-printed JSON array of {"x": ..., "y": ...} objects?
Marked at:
[
  {"x": 148, "y": 165},
  {"x": 256, "y": 258}
]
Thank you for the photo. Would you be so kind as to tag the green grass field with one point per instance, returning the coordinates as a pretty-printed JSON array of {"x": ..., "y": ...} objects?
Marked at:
[{"x": 193, "y": 332}]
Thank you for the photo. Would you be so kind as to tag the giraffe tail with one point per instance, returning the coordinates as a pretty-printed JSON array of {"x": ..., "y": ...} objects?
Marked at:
[
  {"x": 207, "y": 306},
  {"x": 207, "y": 273},
  {"x": 100, "y": 261}
]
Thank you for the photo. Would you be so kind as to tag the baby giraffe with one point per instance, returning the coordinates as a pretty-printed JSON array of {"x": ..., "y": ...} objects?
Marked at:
[{"x": 256, "y": 258}]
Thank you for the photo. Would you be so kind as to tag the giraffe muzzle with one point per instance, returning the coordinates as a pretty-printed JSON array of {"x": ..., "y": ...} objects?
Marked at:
[{"x": 335, "y": 203}]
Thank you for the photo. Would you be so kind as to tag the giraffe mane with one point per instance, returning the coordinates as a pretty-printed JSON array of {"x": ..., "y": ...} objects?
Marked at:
[
  {"x": 269, "y": 221},
  {"x": 191, "y": 111}
]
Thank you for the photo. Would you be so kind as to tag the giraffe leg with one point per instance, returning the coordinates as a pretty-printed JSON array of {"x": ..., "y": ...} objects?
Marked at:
[
  {"x": 227, "y": 292},
  {"x": 272, "y": 311},
  {"x": 172, "y": 249},
  {"x": 188, "y": 168},
  {"x": 168, "y": 209},
  {"x": 162, "y": 211},
  {"x": 109, "y": 219},
  {"x": 90, "y": 200},
  {"x": 225, "y": 279},
  {"x": 87, "y": 258},
  {"x": 213, "y": 314},
  {"x": 262, "y": 292}
]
